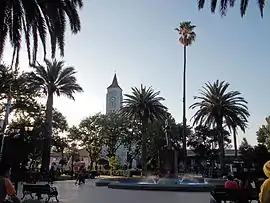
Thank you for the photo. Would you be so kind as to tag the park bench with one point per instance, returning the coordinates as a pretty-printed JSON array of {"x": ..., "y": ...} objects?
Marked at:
[
  {"x": 93, "y": 174},
  {"x": 39, "y": 190},
  {"x": 234, "y": 195}
]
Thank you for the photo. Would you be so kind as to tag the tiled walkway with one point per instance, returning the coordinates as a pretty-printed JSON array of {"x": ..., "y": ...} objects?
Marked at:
[{"x": 88, "y": 193}]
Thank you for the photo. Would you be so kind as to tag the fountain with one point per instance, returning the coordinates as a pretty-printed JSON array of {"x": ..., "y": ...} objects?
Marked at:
[{"x": 186, "y": 183}]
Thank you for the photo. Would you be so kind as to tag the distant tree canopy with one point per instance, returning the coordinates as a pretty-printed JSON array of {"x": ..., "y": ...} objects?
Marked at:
[{"x": 263, "y": 134}]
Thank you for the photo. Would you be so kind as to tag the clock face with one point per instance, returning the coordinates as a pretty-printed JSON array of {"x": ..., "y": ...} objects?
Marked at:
[{"x": 112, "y": 99}]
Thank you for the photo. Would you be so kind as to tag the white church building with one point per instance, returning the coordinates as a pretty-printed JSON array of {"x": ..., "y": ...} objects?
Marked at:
[{"x": 114, "y": 99}]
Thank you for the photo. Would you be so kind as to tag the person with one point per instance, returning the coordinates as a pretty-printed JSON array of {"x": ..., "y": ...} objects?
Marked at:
[
  {"x": 80, "y": 177},
  {"x": 6, "y": 187},
  {"x": 264, "y": 195},
  {"x": 231, "y": 183},
  {"x": 247, "y": 183}
]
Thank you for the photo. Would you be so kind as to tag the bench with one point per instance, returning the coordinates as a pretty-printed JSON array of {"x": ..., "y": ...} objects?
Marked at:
[
  {"x": 234, "y": 195},
  {"x": 93, "y": 174},
  {"x": 40, "y": 189}
]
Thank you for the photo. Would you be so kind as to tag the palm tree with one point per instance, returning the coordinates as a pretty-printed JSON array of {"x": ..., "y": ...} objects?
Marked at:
[
  {"x": 186, "y": 38},
  {"x": 53, "y": 79},
  {"x": 218, "y": 106},
  {"x": 233, "y": 125},
  {"x": 224, "y": 4},
  {"x": 145, "y": 105},
  {"x": 33, "y": 19}
]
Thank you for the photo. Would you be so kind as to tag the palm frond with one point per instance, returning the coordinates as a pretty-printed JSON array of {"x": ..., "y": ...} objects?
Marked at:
[
  {"x": 55, "y": 79},
  {"x": 144, "y": 103},
  {"x": 33, "y": 19},
  {"x": 216, "y": 102},
  {"x": 186, "y": 33},
  {"x": 224, "y": 4}
]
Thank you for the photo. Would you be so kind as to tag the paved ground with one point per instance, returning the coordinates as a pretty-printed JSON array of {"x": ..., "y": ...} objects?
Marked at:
[{"x": 88, "y": 193}]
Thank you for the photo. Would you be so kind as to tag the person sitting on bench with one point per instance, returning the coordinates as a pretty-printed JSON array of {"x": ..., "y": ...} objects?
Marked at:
[
  {"x": 231, "y": 183},
  {"x": 6, "y": 187}
]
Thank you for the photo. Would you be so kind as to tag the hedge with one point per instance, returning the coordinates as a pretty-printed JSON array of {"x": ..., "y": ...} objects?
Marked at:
[{"x": 127, "y": 173}]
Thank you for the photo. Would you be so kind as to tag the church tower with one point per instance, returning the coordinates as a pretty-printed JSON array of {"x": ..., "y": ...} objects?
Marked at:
[{"x": 114, "y": 96}]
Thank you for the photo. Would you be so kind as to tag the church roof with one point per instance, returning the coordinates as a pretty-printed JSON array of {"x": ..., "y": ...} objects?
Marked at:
[{"x": 114, "y": 83}]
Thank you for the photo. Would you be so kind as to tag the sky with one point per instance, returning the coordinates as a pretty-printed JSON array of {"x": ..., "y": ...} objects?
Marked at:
[{"x": 137, "y": 40}]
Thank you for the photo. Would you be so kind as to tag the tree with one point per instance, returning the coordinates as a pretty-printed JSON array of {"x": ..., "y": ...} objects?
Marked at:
[
  {"x": 242, "y": 124},
  {"x": 131, "y": 140},
  {"x": 87, "y": 133},
  {"x": 33, "y": 20},
  {"x": 224, "y": 4},
  {"x": 144, "y": 105},
  {"x": 113, "y": 129},
  {"x": 17, "y": 86},
  {"x": 261, "y": 155},
  {"x": 34, "y": 118},
  {"x": 53, "y": 79},
  {"x": 60, "y": 144},
  {"x": 202, "y": 142},
  {"x": 246, "y": 151},
  {"x": 186, "y": 38},
  {"x": 159, "y": 145},
  {"x": 218, "y": 106},
  {"x": 263, "y": 134}
]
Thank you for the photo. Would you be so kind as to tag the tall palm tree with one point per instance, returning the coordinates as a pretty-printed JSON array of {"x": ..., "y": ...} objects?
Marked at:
[
  {"x": 33, "y": 19},
  {"x": 218, "y": 106},
  {"x": 145, "y": 105},
  {"x": 224, "y": 4},
  {"x": 186, "y": 38},
  {"x": 53, "y": 79}
]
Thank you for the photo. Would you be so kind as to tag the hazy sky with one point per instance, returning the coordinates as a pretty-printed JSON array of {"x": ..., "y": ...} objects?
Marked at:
[{"x": 137, "y": 40}]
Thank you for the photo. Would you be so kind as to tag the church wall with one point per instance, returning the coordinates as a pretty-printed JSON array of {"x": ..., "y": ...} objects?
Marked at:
[{"x": 114, "y": 99}]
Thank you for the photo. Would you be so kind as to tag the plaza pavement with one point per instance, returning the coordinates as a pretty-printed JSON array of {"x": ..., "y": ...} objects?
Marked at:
[{"x": 89, "y": 193}]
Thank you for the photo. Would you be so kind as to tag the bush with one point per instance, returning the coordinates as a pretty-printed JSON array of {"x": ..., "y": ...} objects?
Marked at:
[{"x": 127, "y": 173}]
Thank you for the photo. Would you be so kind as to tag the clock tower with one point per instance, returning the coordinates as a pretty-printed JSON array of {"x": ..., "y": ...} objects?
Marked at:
[{"x": 114, "y": 96}]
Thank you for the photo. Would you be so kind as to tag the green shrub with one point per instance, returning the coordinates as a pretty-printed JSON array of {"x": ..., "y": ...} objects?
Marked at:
[{"x": 127, "y": 173}]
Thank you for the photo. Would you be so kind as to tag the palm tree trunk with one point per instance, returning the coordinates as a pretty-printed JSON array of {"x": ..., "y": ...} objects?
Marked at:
[
  {"x": 144, "y": 149},
  {"x": 235, "y": 144},
  {"x": 184, "y": 111},
  {"x": 48, "y": 134},
  {"x": 221, "y": 146}
]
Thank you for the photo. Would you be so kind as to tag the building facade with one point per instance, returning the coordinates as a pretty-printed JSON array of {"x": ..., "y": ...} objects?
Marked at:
[{"x": 114, "y": 99}]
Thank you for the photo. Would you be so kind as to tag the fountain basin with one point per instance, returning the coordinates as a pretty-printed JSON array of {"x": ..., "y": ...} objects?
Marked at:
[
  {"x": 102, "y": 182},
  {"x": 184, "y": 184},
  {"x": 162, "y": 187}
]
